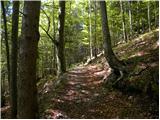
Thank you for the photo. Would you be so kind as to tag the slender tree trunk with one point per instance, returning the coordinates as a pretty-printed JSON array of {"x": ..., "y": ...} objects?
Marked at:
[
  {"x": 61, "y": 44},
  {"x": 138, "y": 19},
  {"x": 3, "y": 75},
  {"x": 130, "y": 19},
  {"x": 70, "y": 35},
  {"x": 95, "y": 28},
  {"x": 6, "y": 40},
  {"x": 143, "y": 25},
  {"x": 149, "y": 23},
  {"x": 114, "y": 63},
  {"x": 123, "y": 21},
  {"x": 54, "y": 37},
  {"x": 155, "y": 14},
  {"x": 14, "y": 41},
  {"x": 42, "y": 67},
  {"x": 27, "y": 89},
  {"x": 54, "y": 61},
  {"x": 90, "y": 29}
]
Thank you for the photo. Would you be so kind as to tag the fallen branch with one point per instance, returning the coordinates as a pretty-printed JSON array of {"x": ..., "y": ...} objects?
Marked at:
[{"x": 140, "y": 72}]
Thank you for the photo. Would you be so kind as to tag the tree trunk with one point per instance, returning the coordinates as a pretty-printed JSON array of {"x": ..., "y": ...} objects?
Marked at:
[
  {"x": 149, "y": 23},
  {"x": 95, "y": 28},
  {"x": 155, "y": 14},
  {"x": 123, "y": 21},
  {"x": 27, "y": 89},
  {"x": 130, "y": 19},
  {"x": 14, "y": 41},
  {"x": 3, "y": 77},
  {"x": 69, "y": 61},
  {"x": 138, "y": 19},
  {"x": 61, "y": 64},
  {"x": 54, "y": 37},
  {"x": 112, "y": 60},
  {"x": 6, "y": 40},
  {"x": 90, "y": 29}
]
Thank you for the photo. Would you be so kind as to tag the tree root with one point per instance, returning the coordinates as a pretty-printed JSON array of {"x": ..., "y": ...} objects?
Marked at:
[
  {"x": 114, "y": 77},
  {"x": 120, "y": 77}
]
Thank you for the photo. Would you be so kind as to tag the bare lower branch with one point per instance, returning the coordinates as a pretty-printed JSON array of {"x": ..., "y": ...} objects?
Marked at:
[
  {"x": 49, "y": 21},
  {"x": 54, "y": 41},
  {"x": 22, "y": 13}
]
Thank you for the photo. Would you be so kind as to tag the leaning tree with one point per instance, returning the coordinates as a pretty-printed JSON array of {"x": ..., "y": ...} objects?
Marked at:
[{"x": 115, "y": 64}]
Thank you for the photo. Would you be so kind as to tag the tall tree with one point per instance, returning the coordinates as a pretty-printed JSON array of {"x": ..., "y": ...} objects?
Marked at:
[
  {"x": 138, "y": 18},
  {"x": 156, "y": 8},
  {"x": 14, "y": 39},
  {"x": 60, "y": 46},
  {"x": 6, "y": 39},
  {"x": 90, "y": 29},
  {"x": 148, "y": 8},
  {"x": 114, "y": 63},
  {"x": 123, "y": 21},
  {"x": 54, "y": 37},
  {"x": 58, "y": 40},
  {"x": 27, "y": 89},
  {"x": 95, "y": 29},
  {"x": 130, "y": 17}
]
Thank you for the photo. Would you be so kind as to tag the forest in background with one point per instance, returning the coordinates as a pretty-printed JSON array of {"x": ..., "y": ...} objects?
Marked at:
[{"x": 44, "y": 40}]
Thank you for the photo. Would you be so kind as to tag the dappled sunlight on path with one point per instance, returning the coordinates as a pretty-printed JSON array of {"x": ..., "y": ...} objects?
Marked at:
[
  {"x": 83, "y": 85},
  {"x": 82, "y": 94}
]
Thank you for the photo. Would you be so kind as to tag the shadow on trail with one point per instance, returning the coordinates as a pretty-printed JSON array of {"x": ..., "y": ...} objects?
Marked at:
[
  {"x": 83, "y": 95},
  {"x": 83, "y": 85}
]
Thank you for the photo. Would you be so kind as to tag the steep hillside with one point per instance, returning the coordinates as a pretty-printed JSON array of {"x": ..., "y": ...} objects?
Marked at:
[{"x": 84, "y": 93}]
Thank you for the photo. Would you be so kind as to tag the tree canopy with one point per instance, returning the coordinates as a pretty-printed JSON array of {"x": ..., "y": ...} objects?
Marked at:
[{"x": 43, "y": 41}]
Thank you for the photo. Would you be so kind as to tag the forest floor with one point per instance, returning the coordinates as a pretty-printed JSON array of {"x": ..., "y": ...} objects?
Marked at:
[{"x": 81, "y": 92}]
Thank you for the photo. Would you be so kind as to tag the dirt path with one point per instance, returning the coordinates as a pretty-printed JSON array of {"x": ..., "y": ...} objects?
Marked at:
[
  {"x": 83, "y": 96},
  {"x": 83, "y": 85}
]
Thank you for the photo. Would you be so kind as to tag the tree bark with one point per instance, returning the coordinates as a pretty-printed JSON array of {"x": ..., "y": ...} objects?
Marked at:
[
  {"x": 138, "y": 19},
  {"x": 27, "y": 89},
  {"x": 54, "y": 37},
  {"x": 6, "y": 40},
  {"x": 14, "y": 41},
  {"x": 155, "y": 14},
  {"x": 90, "y": 29},
  {"x": 149, "y": 23},
  {"x": 61, "y": 64},
  {"x": 130, "y": 18},
  {"x": 95, "y": 28},
  {"x": 59, "y": 42},
  {"x": 123, "y": 21},
  {"x": 112, "y": 60}
]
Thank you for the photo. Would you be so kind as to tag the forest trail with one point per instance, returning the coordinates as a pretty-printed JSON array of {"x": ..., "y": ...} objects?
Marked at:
[
  {"x": 57, "y": 59},
  {"x": 82, "y": 94},
  {"x": 78, "y": 97}
]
